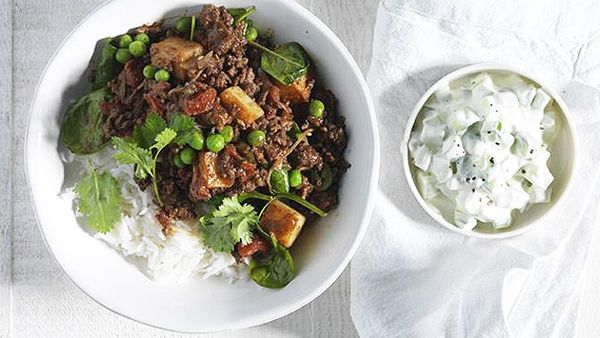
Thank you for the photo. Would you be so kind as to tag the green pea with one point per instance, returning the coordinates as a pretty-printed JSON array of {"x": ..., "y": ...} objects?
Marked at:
[
  {"x": 227, "y": 133},
  {"x": 187, "y": 155},
  {"x": 125, "y": 40},
  {"x": 143, "y": 37},
  {"x": 295, "y": 177},
  {"x": 183, "y": 24},
  {"x": 316, "y": 108},
  {"x": 196, "y": 141},
  {"x": 215, "y": 143},
  {"x": 162, "y": 75},
  {"x": 256, "y": 137},
  {"x": 137, "y": 48},
  {"x": 177, "y": 161},
  {"x": 149, "y": 72},
  {"x": 251, "y": 33},
  {"x": 123, "y": 55}
]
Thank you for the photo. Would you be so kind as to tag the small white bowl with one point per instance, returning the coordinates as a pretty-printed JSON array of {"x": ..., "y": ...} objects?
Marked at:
[
  {"x": 322, "y": 251},
  {"x": 562, "y": 163}
]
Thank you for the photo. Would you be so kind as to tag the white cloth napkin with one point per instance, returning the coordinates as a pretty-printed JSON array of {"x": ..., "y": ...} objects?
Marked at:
[{"x": 412, "y": 277}]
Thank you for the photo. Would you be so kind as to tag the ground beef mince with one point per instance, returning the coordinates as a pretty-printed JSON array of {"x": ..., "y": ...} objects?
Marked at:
[
  {"x": 217, "y": 58},
  {"x": 219, "y": 34}
]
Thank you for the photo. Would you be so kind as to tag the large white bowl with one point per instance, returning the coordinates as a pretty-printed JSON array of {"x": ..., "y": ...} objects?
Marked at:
[
  {"x": 562, "y": 163},
  {"x": 323, "y": 250}
]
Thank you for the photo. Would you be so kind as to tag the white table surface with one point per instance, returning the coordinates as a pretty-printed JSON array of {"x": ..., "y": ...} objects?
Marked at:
[{"x": 36, "y": 299}]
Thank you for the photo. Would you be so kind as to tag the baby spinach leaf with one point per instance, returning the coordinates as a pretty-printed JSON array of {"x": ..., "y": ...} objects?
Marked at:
[
  {"x": 82, "y": 127},
  {"x": 99, "y": 200},
  {"x": 279, "y": 181},
  {"x": 240, "y": 14},
  {"x": 286, "y": 63},
  {"x": 323, "y": 179},
  {"x": 274, "y": 271},
  {"x": 107, "y": 66}
]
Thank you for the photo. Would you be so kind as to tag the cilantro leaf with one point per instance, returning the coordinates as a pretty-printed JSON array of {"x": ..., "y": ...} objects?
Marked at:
[
  {"x": 184, "y": 126},
  {"x": 274, "y": 271},
  {"x": 130, "y": 153},
  {"x": 164, "y": 139},
  {"x": 99, "y": 200},
  {"x": 145, "y": 134},
  {"x": 228, "y": 225},
  {"x": 217, "y": 233}
]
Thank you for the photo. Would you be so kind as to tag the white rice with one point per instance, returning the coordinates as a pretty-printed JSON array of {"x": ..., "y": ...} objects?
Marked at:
[{"x": 139, "y": 237}]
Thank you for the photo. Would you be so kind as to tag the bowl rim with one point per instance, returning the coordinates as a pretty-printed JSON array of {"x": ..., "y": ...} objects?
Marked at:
[
  {"x": 373, "y": 166},
  {"x": 455, "y": 75}
]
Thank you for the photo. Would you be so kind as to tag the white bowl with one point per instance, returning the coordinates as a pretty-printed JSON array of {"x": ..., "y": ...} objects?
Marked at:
[
  {"x": 323, "y": 250},
  {"x": 562, "y": 161}
]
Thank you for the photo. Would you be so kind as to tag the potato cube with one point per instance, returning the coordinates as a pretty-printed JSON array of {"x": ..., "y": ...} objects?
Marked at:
[
  {"x": 207, "y": 176},
  {"x": 298, "y": 92},
  {"x": 248, "y": 110},
  {"x": 176, "y": 54},
  {"x": 283, "y": 221}
]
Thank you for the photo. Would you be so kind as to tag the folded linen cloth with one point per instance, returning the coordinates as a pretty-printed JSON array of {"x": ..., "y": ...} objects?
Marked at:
[{"x": 412, "y": 277}]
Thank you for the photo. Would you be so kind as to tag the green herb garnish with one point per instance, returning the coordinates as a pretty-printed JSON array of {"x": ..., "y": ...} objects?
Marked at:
[
  {"x": 99, "y": 200},
  {"x": 229, "y": 224},
  {"x": 240, "y": 14},
  {"x": 274, "y": 271},
  {"x": 107, "y": 66},
  {"x": 279, "y": 181},
  {"x": 129, "y": 152},
  {"x": 323, "y": 179},
  {"x": 145, "y": 134},
  {"x": 287, "y": 196},
  {"x": 82, "y": 127},
  {"x": 192, "y": 28},
  {"x": 286, "y": 64},
  {"x": 184, "y": 126}
]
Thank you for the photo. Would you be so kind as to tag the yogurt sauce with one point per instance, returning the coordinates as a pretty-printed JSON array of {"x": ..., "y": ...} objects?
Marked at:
[{"x": 482, "y": 144}]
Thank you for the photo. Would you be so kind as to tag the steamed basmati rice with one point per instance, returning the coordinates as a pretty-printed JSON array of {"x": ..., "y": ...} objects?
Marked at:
[{"x": 139, "y": 237}]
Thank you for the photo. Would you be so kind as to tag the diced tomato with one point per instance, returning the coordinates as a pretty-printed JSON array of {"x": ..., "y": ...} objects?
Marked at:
[
  {"x": 154, "y": 104},
  {"x": 200, "y": 103},
  {"x": 257, "y": 246}
]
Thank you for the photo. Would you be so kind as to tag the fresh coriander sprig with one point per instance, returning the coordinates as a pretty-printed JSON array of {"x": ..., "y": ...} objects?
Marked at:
[
  {"x": 128, "y": 152},
  {"x": 149, "y": 139},
  {"x": 229, "y": 224},
  {"x": 99, "y": 200}
]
